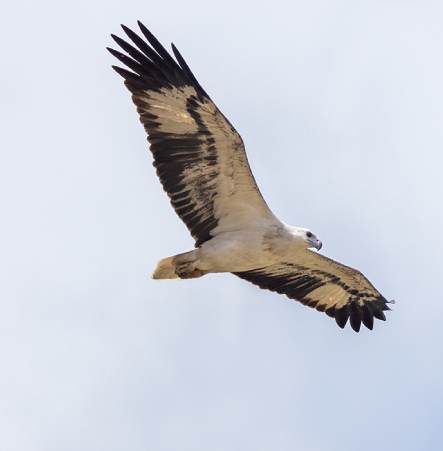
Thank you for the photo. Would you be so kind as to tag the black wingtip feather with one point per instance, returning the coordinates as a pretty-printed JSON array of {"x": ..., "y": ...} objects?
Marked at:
[
  {"x": 126, "y": 74},
  {"x": 134, "y": 53},
  {"x": 126, "y": 60},
  {"x": 367, "y": 316},
  {"x": 354, "y": 315},
  {"x": 330, "y": 311},
  {"x": 188, "y": 71},
  {"x": 379, "y": 315},
  {"x": 120, "y": 41},
  {"x": 111, "y": 50},
  {"x": 158, "y": 47},
  {"x": 341, "y": 317},
  {"x": 144, "y": 47}
]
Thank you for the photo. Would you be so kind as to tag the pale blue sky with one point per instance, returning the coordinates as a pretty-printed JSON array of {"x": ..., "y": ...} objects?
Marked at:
[{"x": 340, "y": 106}]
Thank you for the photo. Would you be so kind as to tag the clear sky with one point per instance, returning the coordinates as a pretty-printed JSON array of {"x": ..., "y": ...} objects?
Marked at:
[{"x": 340, "y": 104}]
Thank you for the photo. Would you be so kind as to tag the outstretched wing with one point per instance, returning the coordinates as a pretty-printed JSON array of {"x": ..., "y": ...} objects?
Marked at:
[
  {"x": 326, "y": 285},
  {"x": 199, "y": 156}
]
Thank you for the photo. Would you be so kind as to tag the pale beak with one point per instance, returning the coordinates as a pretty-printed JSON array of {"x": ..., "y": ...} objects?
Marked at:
[{"x": 316, "y": 243}]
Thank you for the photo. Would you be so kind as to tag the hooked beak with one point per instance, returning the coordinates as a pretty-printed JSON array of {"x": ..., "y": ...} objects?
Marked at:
[{"x": 316, "y": 243}]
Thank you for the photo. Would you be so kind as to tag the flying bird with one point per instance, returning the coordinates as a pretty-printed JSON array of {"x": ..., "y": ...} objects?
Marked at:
[{"x": 202, "y": 165}]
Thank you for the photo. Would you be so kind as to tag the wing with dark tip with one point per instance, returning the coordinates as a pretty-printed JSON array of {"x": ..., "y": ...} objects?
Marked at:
[
  {"x": 328, "y": 286},
  {"x": 199, "y": 156}
]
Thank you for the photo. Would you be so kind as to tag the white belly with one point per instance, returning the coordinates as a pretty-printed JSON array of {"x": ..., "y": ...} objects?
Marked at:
[
  {"x": 232, "y": 252},
  {"x": 265, "y": 244},
  {"x": 244, "y": 250}
]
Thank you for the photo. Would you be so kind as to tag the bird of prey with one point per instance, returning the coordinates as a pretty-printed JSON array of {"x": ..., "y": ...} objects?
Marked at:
[{"x": 202, "y": 165}]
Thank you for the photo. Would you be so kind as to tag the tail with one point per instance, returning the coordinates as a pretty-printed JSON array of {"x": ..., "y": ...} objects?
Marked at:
[{"x": 166, "y": 267}]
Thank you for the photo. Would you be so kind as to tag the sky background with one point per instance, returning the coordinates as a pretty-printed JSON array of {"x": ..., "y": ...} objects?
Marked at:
[{"x": 340, "y": 107}]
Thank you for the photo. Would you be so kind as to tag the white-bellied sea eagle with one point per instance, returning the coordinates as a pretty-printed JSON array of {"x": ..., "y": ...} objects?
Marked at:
[{"x": 202, "y": 165}]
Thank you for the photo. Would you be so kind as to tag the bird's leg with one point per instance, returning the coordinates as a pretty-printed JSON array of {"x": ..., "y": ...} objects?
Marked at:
[{"x": 189, "y": 270}]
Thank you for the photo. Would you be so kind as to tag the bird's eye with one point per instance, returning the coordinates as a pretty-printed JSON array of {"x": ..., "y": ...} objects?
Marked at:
[{"x": 308, "y": 234}]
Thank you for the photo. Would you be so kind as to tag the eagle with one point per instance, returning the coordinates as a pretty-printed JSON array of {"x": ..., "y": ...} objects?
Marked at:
[{"x": 201, "y": 162}]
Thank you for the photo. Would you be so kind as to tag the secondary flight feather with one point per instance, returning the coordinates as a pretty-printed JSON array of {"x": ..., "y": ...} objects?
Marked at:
[{"x": 202, "y": 165}]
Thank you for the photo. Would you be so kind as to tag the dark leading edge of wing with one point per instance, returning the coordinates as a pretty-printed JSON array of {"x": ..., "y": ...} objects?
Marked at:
[
  {"x": 340, "y": 291},
  {"x": 185, "y": 160}
]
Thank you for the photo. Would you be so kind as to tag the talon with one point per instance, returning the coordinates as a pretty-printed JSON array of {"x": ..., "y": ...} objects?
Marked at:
[{"x": 189, "y": 271}]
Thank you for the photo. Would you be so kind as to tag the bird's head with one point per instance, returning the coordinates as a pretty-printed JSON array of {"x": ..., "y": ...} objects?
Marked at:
[{"x": 309, "y": 238}]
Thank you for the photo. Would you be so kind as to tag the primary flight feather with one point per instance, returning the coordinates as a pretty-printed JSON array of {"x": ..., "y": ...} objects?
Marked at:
[{"x": 202, "y": 165}]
